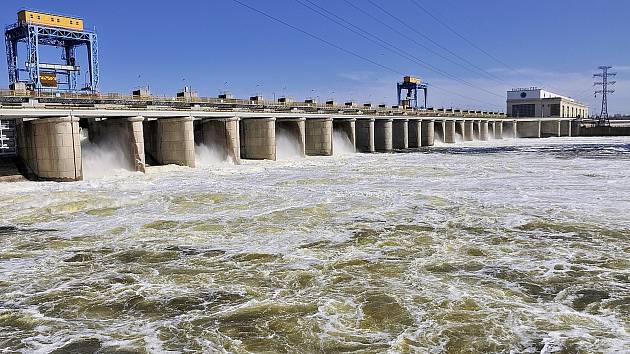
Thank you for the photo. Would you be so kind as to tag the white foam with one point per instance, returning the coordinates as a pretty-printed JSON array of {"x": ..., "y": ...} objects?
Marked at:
[
  {"x": 341, "y": 143},
  {"x": 106, "y": 158},
  {"x": 209, "y": 155},
  {"x": 287, "y": 146}
]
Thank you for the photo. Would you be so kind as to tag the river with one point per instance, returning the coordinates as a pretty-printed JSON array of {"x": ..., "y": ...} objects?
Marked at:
[{"x": 511, "y": 246}]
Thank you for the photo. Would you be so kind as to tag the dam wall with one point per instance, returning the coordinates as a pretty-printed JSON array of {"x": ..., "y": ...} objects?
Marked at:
[{"x": 49, "y": 144}]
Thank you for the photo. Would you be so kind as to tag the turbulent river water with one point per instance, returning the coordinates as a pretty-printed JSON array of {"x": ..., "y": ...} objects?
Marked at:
[{"x": 510, "y": 246}]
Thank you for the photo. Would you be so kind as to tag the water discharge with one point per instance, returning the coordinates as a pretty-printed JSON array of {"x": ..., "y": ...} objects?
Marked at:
[
  {"x": 287, "y": 146},
  {"x": 104, "y": 158},
  {"x": 342, "y": 144},
  {"x": 514, "y": 246},
  {"x": 210, "y": 155}
]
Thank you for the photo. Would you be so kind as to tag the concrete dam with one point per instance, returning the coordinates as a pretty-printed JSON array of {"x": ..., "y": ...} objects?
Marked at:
[{"x": 47, "y": 136}]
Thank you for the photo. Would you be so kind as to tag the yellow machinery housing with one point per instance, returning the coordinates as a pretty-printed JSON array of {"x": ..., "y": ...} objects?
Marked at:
[
  {"x": 45, "y": 19},
  {"x": 411, "y": 80},
  {"x": 48, "y": 79}
]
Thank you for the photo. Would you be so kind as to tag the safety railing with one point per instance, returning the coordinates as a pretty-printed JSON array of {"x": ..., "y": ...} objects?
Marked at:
[{"x": 252, "y": 104}]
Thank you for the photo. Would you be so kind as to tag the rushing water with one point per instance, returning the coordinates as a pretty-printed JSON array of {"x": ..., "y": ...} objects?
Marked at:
[{"x": 514, "y": 246}]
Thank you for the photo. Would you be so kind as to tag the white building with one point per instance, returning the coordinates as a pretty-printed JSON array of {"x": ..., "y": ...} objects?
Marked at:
[{"x": 536, "y": 102}]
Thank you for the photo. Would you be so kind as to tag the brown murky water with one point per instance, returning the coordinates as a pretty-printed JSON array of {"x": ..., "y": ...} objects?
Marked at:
[{"x": 474, "y": 249}]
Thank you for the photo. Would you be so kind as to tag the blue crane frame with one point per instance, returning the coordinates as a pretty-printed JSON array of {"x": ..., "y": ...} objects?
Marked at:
[
  {"x": 412, "y": 88},
  {"x": 36, "y": 35}
]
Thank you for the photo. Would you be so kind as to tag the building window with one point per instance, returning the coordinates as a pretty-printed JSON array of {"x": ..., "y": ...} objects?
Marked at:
[
  {"x": 524, "y": 110},
  {"x": 554, "y": 110}
]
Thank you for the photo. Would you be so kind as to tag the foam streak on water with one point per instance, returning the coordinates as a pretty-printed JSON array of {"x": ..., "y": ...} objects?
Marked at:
[{"x": 503, "y": 246}]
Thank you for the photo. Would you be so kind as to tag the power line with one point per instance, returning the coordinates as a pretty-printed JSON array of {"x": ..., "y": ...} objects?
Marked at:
[
  {"x": 581, "y": 95},
  {"x": 415, "y": 41},
  {"x": 347, "y": 51},
  {"x": 443, "y": 23},
  {"x": 319, "y": 38},
  {"x": 415, "y": 2},
  {"x": 384, "y": 44},
  {"x": 466, "y": 97},
  {"x": 432, "y": 41}
]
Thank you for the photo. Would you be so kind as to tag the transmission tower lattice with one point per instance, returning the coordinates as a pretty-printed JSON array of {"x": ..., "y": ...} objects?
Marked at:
[{"x": 603, "y": 116}]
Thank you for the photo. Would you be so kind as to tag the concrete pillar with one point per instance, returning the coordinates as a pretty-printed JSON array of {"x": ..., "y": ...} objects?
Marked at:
[
  {"x": 428, "y": 132},
  {"x": 565, "y": 128},
  {"x": 509, "y": 129},
  {"x": 347, "y": 127},
  {"x": 400, "y": 134},
  {"x": 319, "y": 136},
  {"x": 449, "y": 131},
  {"x": 383, "y": 134},
  {"x": 258, "y": 138},
  {"x": 460, "y": 129},
  {"x": 222, "y": 135},
  {"x": 498, "y": 129},
  {"x": 295, "y": 130},
  {"x": 365, "y": 135},
  {"x": 528, "y": 128},
  {"x": 50, "y": 148},
  {"x": 175, "y": 141},
  {"x": 414, "y": 139},
  {"x": 468, "y": 130},
  {"x": 483, "y": 130},
  {"x": 170, "y": 141},
  {"x": 135, "y": 142},
  {"x": 549, "y": 128}
]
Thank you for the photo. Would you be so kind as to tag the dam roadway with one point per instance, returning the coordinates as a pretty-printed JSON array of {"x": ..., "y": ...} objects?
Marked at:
[{"x": 48, "y": 135}]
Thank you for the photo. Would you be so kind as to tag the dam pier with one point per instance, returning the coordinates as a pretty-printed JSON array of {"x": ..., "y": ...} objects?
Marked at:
[{"x": 47, "y": 137}]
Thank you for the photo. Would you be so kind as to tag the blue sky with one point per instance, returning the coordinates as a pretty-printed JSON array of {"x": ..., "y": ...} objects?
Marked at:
[{"x": 220, "y": 45}]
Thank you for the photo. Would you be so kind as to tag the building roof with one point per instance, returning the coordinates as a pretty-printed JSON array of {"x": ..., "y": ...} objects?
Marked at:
[{"x": 536, "y": 93}]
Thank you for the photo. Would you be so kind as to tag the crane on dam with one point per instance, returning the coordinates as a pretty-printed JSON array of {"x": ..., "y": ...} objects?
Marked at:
[
  {"x": 411, "y": 85},
  {"x": 35, "y": 29}
]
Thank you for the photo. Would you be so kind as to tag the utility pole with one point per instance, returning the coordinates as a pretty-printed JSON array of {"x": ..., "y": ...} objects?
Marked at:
[{"x": 603, "y": 116}]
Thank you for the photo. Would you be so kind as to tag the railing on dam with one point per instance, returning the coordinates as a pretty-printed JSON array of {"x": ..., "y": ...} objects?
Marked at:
[{"x": 69, "y": 98}]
